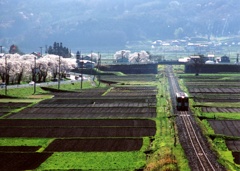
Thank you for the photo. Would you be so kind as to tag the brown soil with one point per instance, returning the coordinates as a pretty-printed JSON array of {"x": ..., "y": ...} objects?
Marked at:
[
  {"x": 77, "y": 123},
  {"x": 22, "y": 161},
  {"x": 70, "y": 132},
  {"x": 214, "y": 90},
  {"x": 226, "y": 127},
  {"x": 220, "y": 110},
  {"x": 83, "y": 115},
  {"x": 233, "y": 145},
  {"x": 19, "y": 148}
]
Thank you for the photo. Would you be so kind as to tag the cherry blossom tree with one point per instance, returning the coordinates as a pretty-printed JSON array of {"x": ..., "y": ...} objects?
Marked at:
[
  {"x": 128, "y": 57},
  {"x": 3, "y": 68},
  {"x": 15, "y": 67},
  {"x": 22, "y": 66},
  {"x": 11, "y": 71}
]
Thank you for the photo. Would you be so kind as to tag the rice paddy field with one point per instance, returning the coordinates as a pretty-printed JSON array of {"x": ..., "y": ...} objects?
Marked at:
[
  {"x": 113, "y": 127},
  {"x": 113, "y": 130}
]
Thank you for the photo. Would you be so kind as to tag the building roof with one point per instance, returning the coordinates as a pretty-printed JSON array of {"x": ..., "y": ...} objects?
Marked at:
[{"x": 195, "y": 57}]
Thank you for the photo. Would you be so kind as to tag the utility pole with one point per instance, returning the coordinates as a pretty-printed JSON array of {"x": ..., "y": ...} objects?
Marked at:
[
  {"x": 6, "y": 75},
  {"x": 99, "y": 64},
  {"x": 34, "y": 91},
  {"x": 91, "y": 63},
  {"x": 82, "y": 72},
  {"x": 1, "y": 48},
  {"x": 46, "y": 49},
  {"x": 41, "y": 51},
  {"x": 59, "y": 67}
]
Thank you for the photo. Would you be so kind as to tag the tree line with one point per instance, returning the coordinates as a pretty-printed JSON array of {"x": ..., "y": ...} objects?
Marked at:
[
  {"x": 15, "y": 68},
  {"x": 58, "y": 49}
]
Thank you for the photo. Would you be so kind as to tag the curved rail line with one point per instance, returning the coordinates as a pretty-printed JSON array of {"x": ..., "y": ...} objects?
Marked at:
[{"x": 203, "y": 159}]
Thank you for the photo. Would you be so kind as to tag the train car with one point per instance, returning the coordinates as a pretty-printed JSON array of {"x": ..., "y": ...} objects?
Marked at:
[{"x": 182, "y": 101}]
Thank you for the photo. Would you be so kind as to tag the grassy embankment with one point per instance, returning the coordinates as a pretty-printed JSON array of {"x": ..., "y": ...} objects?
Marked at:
[{"x": 167, "y": 152}]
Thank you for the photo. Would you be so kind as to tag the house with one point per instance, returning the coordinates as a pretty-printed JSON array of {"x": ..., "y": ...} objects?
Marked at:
[
  {"x": 225, "y": 59},
  {"x": 85, "y": 64}
]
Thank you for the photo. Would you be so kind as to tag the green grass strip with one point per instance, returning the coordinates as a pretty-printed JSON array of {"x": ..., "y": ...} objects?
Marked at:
[
  {"x": 25, "y": 141},
  {"x": 94, "y": 161}
]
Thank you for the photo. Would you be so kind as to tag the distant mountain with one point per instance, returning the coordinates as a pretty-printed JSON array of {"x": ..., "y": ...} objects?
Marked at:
[{"x": 111, "y": 23}]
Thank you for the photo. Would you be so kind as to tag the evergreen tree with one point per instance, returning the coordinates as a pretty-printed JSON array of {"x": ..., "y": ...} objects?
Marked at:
[
  {"x": 14, "y": 49},
  {"x": 58, "y": 49}
]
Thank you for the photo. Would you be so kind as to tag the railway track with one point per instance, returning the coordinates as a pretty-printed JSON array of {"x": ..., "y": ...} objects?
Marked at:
[
  {"x": 195, "y": 145},
  {"x": 200, "y": 153}
]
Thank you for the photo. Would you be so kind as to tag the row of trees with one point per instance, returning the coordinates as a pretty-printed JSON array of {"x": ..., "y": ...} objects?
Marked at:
[
  {"x": 15, "y": 68},
  {"x": 58, "y": 49}
]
